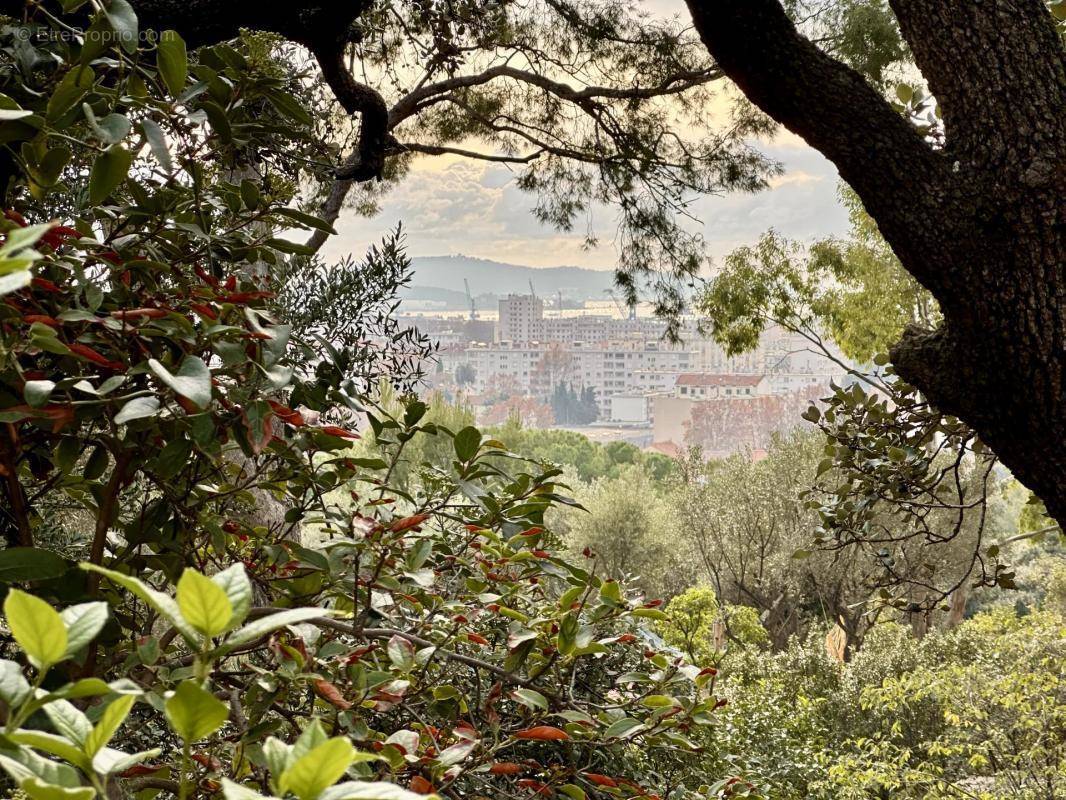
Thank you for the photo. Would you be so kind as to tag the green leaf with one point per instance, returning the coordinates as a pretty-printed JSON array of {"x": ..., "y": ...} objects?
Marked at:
[
  {"x": 69, "y": 720},
  {"x": 123, "y": 21},
  {"x": 530, "y": 698},
  {"x": 173, "y": 62},
  {"x": 163, "y": 603},
  {"x": 37, "y": 627},
  {"x": 318, "y": 770},
  {"x": 401, "y": 652},
  {"x": 137, "y": 408},
  {"x": 234, "y": 582},
  {"x": 30, "y": 564},
  {"x": 23, "y": 764},
  {"x": 659, "y": 701},
  {"x": 203, "y": 603},
  {"x": 83, "y": 621},
  {"x": 364, "y": 790},
  {"x": 458, "y": 752},
  {"x": 111, "y": 129},
  {"x": 54, "y": 745},
  {"x": 194, "y": 713},
  {"x": 13, "y": 281},
  {"x": 265, "y": 625},
  {"x": 97, "y": 464},
  {"x": 611, "y": 592},
  {"x": 289, "y": 106},
  {"x": 37, "y": 789},
  {"x": 70, "y": 90},
  {"x": 626, "y": 726},
  {"x": 649, "y": 613},
  {"x": 157, "y": 141},
  {"x": 467, "y": 442},
  {"x": 51, "y": 166},
  {"x": 38, "y": 392},
  {"x": 219, "y": 120},
  {"x": 193, "y": 379},
  {"x": 109, "y": 170},
  {"x": 250, "y": 194},
  {"x": 84, "y": 687},
  {"x": 109, "y": 761},
  {"x": 285, "y": 246},
  {"x": 308, "y": 220},
  {"x": 234, "y": 791},
  {"x": 109, "y": 723},
  {"x": 14, "y": 688},
  {"x": 567, "y": 638}
]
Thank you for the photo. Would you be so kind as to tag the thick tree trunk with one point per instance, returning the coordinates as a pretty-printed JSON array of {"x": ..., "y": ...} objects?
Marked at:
[
  {"x": 999, "y": 360},
  {"x": 981, "y": 223}
]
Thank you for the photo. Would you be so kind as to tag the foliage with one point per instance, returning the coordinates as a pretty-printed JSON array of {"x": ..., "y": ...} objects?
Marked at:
[
  {"x": 855, "y": 292},
  {"x": 690, "y": 624},
  {"x": 702, "y": 630},
  {"x": 589, "y": 459},
  {"x": 901, "y": 481},
  {"x": 351, "y": 307},
  {"x": 592, "y": 103},
  {"x": 630, "y": 530},
  {"x": 743, "y": 522},
  {"x": 898, "y": 480},
  {"x": 971, "y": 712},
  {"x": 406, "y": 621},
  {"x": 574, "y": 408}
]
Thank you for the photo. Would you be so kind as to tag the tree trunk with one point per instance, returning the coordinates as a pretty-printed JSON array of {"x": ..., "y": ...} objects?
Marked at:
[{"x": 981, "y": 222}]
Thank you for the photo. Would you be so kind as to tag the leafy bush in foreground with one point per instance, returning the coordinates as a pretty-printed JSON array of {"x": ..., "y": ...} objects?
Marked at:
[{"x": 259, "y": 609}]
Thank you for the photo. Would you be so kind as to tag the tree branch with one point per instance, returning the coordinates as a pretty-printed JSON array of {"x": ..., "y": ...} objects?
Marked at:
[
  {"x": 901, "y": 180},
  {"x": 997, "y": 70},
  {"x": 357, "y": 98},
  {"x": 376, "y": 141}
]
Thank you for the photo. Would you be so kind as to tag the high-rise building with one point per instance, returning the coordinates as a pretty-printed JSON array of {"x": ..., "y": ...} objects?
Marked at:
[{"x": 520, "y": 318}]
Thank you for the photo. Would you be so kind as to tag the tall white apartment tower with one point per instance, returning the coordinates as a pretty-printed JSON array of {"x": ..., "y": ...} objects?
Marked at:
[{"x": 521, "y": 318}]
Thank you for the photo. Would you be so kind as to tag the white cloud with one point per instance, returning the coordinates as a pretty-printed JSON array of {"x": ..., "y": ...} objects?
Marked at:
[
  {"x": 475, "y": 209},
  {"x": 448, "y": 205}
]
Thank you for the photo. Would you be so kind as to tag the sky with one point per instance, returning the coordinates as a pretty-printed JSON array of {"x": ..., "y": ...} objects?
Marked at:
[{"x": 451, "y": 206}]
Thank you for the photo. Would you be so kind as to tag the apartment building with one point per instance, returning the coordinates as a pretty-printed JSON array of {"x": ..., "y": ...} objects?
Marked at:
[
  {"x": 535, "y": 368},
  {"x": 519, "y": 318}
]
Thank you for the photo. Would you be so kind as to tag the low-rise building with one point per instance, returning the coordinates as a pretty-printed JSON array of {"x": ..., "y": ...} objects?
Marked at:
[{"x": 707, "y": 386}]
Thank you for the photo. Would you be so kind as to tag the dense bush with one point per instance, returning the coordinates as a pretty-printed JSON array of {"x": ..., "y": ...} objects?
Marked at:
[
  {"x": 977, "y": 712},
  {"x": 260, "y": 608}
]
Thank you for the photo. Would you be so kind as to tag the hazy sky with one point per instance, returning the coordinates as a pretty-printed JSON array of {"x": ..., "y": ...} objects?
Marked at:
[{"x": 453, "y": 206}]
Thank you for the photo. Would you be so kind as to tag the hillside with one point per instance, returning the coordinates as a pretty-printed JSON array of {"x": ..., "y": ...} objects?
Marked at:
[{"x": 441, "y": 278}]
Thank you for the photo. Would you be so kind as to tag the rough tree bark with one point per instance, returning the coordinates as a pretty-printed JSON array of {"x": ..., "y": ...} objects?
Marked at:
[{"x": 980, "y": 222}]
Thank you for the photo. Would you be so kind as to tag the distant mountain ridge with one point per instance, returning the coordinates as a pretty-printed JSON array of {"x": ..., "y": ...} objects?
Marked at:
[{"x": 441, "y": 278}]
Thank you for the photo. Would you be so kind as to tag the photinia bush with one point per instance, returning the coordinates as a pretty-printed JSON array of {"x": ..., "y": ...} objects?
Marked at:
[{"x": 369, "y": 637}]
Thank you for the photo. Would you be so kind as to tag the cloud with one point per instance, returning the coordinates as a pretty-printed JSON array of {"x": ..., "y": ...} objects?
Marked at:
[{"x": 475, "y": 209}]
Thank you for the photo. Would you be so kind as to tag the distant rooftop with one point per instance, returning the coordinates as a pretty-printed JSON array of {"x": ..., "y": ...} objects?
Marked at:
[{"x": 711, "y": 380}]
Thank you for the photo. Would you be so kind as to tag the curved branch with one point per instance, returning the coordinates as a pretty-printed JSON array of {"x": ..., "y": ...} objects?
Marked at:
[
  {"x": 901, "y": 180},
  {"x": 440, "y": 150},
  {"x": 376, "y": 141},
  {"x": 356, "y": 98},
  {"x": 434, "y": 92}
]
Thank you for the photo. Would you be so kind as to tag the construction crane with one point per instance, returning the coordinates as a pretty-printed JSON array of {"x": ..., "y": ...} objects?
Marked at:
[
  {"x": 532, "y": 291},
  {"x": 470, "y": 299}
]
